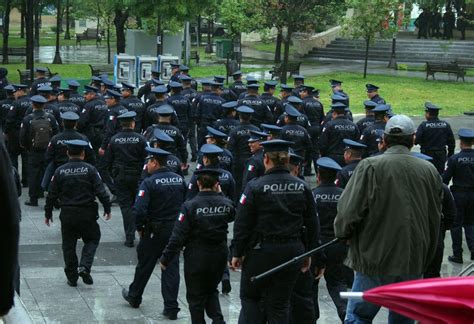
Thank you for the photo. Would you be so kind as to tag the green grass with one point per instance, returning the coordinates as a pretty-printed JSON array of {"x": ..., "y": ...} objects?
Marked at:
[
  {"x": 50, "y": 40},
  {"x": 66, "y": 71},
  {"x": 406, "y": 95},
  {"x": 422, "y": 68}
]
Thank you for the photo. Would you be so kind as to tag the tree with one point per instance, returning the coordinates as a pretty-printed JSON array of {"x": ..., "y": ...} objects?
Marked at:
[
  {"x": 67, "y": 33},
  {"x": 6, "y": 30},
  {"x": 369, "y": 18},
  {"x": 29, "y": 13},
  {"x": 57, "y": 54}
]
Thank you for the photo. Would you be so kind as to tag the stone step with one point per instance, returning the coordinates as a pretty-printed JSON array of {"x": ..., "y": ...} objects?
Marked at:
[
  {"x": 410, "y": 46},
  {"x": 401, "y": 52}
]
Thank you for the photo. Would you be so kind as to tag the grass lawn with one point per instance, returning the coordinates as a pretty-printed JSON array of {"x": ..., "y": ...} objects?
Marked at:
[
  {"x": 50, "y": 40},
  {"x": 406, "y": 95},
  {"x": 418, "y": 68}
]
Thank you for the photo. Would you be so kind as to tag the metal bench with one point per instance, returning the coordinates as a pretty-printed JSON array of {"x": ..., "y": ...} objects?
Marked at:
[
  {"x": 90, "y": 33},
  {"x": 15, "y": 51},
  {"x": 450, "y": 68},
  {"x": 292, "y": 67},
  {"x": 194, "y": 56},
  {"x": 98, "y": 69}
]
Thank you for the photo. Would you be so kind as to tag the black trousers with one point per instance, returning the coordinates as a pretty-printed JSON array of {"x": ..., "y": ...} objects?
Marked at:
[
  {"x": 78, "y": 223},
  {"x": 335, "y": 277},
  {"x": 201, "y": 135},
  {"x": 36, "y": 165},
  {"x": 439, "y": 158},
  {"x": 238, "y": 169},
  {"x": 301, "y": 301},
  {"x": 203, "y": 267},
  {"x": 464, "y": 219},
  {"x": 192, "y": 140},
  {"x": 24, "y": 164},
  {"x": 434, "y": 268},
  {"x": 268, "y": 299},
  {"x": 105, "y": 174},
  {"x": 149, "y": 250},
  {"x": 126, "y": 184}
]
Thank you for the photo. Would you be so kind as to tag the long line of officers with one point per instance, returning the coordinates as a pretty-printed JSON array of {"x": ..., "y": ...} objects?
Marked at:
[{"x": 252, "y": 152}]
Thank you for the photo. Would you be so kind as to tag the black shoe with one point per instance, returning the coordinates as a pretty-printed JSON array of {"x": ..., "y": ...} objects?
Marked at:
[
  {"x": 129, "y": 244},
  {"x": 125, "y": 296},
  {"x": 226, "y": 288},
  {"x": 72, "y": 283},
  {"x": 171, "y": 315},
  {"x": 455, "y": 259},
  {"x": 86, "y": 277},
  {"x": 32, "y": 202}
]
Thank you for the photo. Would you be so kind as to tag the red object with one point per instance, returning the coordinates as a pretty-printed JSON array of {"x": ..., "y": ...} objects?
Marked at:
[{"x": 438, "y": 300}]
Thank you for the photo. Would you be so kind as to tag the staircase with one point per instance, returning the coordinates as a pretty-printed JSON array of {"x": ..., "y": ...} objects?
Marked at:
[{"x": 408, "y": 50}]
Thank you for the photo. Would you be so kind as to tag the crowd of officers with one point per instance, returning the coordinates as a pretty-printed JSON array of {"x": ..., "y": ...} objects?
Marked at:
[
  {"x": 252, "y": 152},
  {"x": 430, "y": 23}
]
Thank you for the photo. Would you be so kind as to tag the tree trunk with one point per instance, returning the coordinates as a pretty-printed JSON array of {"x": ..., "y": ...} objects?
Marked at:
[
  {"x": 29, "y": 14},
  {"x": 22, "y": 19},
  {"x": 209, "y": 32},
  {"x": 366, "y": 55},
  {"x": 6, "y": 30},
  {"x": 57, "y": 55},
  {"x": 286, "y": 55},
  {"x": 98, "y": 19},
  {"x": 139, "y": 22},
  {"x": 67, "y": 33},
  {"x": 109, "y": 59},
  {"x": 37, "y": 23},
  {"x": 119, "y": 22},
  {"x": 159, "y": 39},
  {"x": 278, "y": 45}
]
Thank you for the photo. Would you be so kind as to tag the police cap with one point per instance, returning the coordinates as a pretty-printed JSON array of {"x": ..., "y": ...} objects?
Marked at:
[
  {"x": 307, "y": 88},
  {"x": 9, "y": 88},
  {"x": 335, "y": 83},
  {"x": 371, "y": 87},
  {"x": 381, "y": 108},
  {"x": 295, "y": 159},
  {"x": 219, "y": 78},
  {"x": 251, "y": 79},
  {"x": 157, "y": 82},
  {"x": 160, "y": 89},
  {"x": 212, "y": 132},
  {"x": 328, "y": 163},
  {"x": 73, "y": 83},
  {"x": 128, "y": 86},
  {"x": 431, "y": 106},
  {"x": 126, "y": 116},
  {"x": 271, "y": 83},
  {"x": 245, "y": 110},
  {"x": 216, "y": 84},
  {"x": 155, "y": 70},
  {"x": 237, "y": 73},
  {"x": 45, "y": 89},
  {"x": 286, "y": 88},
  {"x": 38, "y": 99},
  {"x": 63, "y": 90},
  {"x": 294, "y": 100},
  {"x": 276, "y": 145},
  {"x": 338, "y": 97},
  {"x": 205, "y": 82},
  {"x": 184, "y": 68},
  {"x": 338, "y": 106},
  {"x": 272, "y": 129},
  {"x": 208, "y": 171},
  {"x": 185, "y": 78},
  {"x": 69, "y": 115},
  {"x": 466, "y": 133},
  {"x": 55, "y": 78},
  {"x": 108, "y": 83},
  {"x": 350, "y": 144},
  {"x": 155, "y": 152},
  {"x": 230, "y": 105},
  {"x": 292, "y": 111},
  {"x": 253, "y": 86},
  {"x": 165, "y": 110},
  {"x": 41, "y": 69},
  {"x": 20, "y": 86},
  {"x": 208, "y": 149},
  {"x": 96, "y": 78},
  {"x": 257, "y": 136},
  {"x": 174, "y": 65},
  {"x": 112, "y": 94},
  {"x": 369, "y": 104},
  {"x": 298, "y": 77},
  {"x": 175, "y": 85},
  {"x": 88, "y": 88},
  {"x": 161, "y": 136}
]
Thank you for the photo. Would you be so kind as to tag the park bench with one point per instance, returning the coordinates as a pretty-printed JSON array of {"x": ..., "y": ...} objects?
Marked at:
[
  {"x": 194, "y": 56},
  {"x": 292, "y": 67},
  {"x": 15, "y": 51},
  {"x": 90, "y": 33},
  {"x": 25, "y": 76},
  {"x": 99, "y": 69},
  {"x": 464, "y": 63},
  {"x": 450, "y": 68}
]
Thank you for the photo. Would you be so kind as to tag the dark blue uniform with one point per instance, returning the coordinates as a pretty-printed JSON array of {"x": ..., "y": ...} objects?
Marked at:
[
  {"x": 132, "y": 103},
  {"x": 254, "y": 167},
  {"x": 270, "y": 101},
  {"x": 371, "y": 134},
  {"x": 268, "y": 234},
  {"x": 326, "y": 197},
  {"x": 202, "y": 228},
  {"x": 76, "y": 184},
  {"x": 433, "y": 136},
  {"x": 208, "y": 110},
  {"x": 124, "y": 157},
  {"x": 262, "y": 113},
  {"x": 225, "y": 160},
  {"x": 92, "y": 121},
  {"x": 112, "y": 125},
  {"x": 5, "y": 106},
  {"x": 330, "y": 142},
  {"x": 365, "y": 122},
  {"x": 460, "y": 168},
  {"x": 225, "y": 124},
  {"x": 182, "y": 107},
  {"x": 191, "y": 94},
  {"x": 226, "y": 180},
  {"x": 38, "y": 83},
  {"x": 378, "y": 100},
  {"x": 77, "y": 99},
  {"x": 179, "y": 147},
  {"x": 238, "y": 87},
  {"x": 345, "y": 174},
  {"x": 157, "y": 204},
  {"x": 68, "y": 105},
  {"x": 299, "y": 136}
]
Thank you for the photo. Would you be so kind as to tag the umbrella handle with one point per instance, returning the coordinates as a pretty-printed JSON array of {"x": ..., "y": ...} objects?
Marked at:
[{"x": 351, "y": 295}]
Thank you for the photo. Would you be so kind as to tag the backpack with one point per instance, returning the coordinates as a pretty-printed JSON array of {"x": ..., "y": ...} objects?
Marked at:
[{"x": 41, "y": 131}]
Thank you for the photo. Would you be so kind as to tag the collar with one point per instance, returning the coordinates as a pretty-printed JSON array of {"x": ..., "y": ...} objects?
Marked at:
[
  {"x": 327, "y": 184},
  {"x": 279, "y": 169},
  {"x": 397, "y": 149},
  {"x": 207, "y": 193}
]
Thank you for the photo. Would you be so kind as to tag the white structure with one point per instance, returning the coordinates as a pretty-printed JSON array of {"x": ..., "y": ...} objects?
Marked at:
[{"x": 80, "y": 25}]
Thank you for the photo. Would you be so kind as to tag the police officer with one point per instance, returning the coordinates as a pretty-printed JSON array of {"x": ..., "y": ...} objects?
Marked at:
[
  {"x": 164, "y": 123},
  {"x": 210, "y": 159},
  {"x": 125, "y": 155},
  {"x": 175, "y": 72},
  {"x": 238, "y": 86},
  {"x": 273, "y": 131},
  {"x": 190, "y": 93},
  {"x": 76, "y": 184},
  {"x": 182, "y": 107},
  {"x": 369, "y": 119},
  {"x": 75, "y": 96},
  {"x": 228, "y": 121},
  {"x": 269, "y": 234},
  {"x": 330, "y": 142},
  {"x": 225, "y": 93},
  {"x": 238, "y": 143},
  {"x": 132, "y": 103},
  {"x": 262, "y": 113},
  {"x": 153, "y": 96},
  {"x": 250, "y": 80},
  {"x": 115, "y": 109},
  {"x": 219, "y": 139},
  {"x": 434, "y": 135},
  {"x": 268, "y": 97},
  {"x": 285, "y": 93},
  {"x": 145, "y": 90},
  {"x": 50, "y": 105},
  {"x": 336, "y": 88},
  {"x": 302, "y": 119},
  {"x": 64, "y": 104},
  {"x": 158, "y": 202},
  {"x": 460, "y": 168},
  {"x": 202, "y": 227},
  {"x": 12, "y": 130},
  {"x": 352, "y": 156},
  {"x": 208, "y": 110},
  {"x": 151, "y": 116},
  {"x": 186, "y": 76},
  {"x": 40, "y": 80},
  {"x": 163, "y": 141},
  {"x": 254, "y": 167},
  {"x": 373, "y": 94},
  {"x": 337, "y": 98},
  {"x": 55, "y": 82},
  {"x": 6, "y": 104},
  {"x": 298, "y": 84},
  {"x": 326, "y": 196},
  {"x": 372, "y": 133},
  {"x": 36, "y": 131}
]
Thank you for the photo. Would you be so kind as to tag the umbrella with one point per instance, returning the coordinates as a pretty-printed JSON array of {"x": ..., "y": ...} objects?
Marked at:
[{"x": 437, "y": 300}]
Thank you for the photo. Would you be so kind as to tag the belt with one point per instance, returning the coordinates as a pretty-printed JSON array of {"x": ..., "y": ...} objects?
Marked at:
[{"x": 279, "y": 239}]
